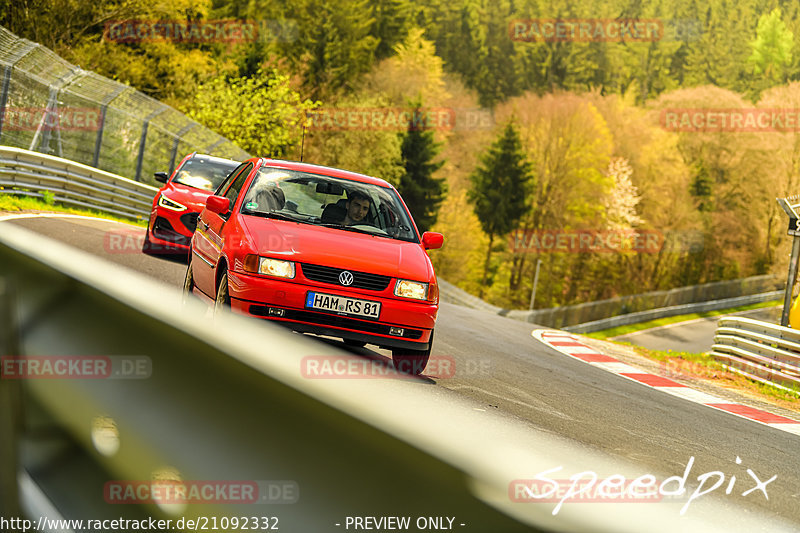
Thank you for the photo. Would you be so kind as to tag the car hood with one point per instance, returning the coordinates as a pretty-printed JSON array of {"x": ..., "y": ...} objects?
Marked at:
[
  {"x": 306, "y": 243},
  {"x": 188, "y": 196}
]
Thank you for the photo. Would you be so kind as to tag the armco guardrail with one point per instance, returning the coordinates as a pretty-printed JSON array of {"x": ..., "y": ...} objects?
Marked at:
[
  {"x": 32, "y": 173},
  {"x": 664, "y": 312},
  {"x": 759, "y": 350},
  {"x": 574, "y": 315},
  {"x": 227, "y": 400}
]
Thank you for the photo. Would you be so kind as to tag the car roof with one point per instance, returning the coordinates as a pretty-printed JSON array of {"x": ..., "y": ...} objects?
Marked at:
[
  {"x": 215, "y": 159},
  {"x": 327, "y": 171}
]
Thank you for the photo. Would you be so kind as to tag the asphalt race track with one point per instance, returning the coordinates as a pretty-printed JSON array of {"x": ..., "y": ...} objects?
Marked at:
[{"x": 501, "y": 368}]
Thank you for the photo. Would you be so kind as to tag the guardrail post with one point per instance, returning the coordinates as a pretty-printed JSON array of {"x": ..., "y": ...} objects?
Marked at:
[
  {"x": 10, "y": 406},
  {"x": 790, "y": 206},
  {"x": 787, "y": 298}
]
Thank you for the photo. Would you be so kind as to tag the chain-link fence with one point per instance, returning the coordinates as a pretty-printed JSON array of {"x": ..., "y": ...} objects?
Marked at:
[{"x": 51, "y": 106}]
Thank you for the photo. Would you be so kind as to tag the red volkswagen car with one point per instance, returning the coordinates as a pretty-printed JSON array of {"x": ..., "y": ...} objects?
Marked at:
[
  {"x": 319, "y": 250},
  {"x": 178, "y": 203}
]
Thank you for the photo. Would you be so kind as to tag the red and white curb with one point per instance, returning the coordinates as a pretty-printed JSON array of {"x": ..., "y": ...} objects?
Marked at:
[{"x": 570, "y": 345}]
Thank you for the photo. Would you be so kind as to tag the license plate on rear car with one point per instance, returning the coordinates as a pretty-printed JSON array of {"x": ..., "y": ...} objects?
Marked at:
[{"x": 343, "y": 305}]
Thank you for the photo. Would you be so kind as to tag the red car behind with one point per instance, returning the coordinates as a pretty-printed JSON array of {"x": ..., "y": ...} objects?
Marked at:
[
  {"x": 319, "y": 250},
  {"x": 178, "y": 203}
]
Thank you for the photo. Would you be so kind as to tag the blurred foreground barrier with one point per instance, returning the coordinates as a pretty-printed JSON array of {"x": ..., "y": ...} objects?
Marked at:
[
  {"x": 71, "y": 183},
  {"x": 759, "y": 350},
  {"x": 224, "y": 403}
]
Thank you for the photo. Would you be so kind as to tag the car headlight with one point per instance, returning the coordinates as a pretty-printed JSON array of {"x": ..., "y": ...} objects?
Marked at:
[
  {"x": 267, "y": 266},
  {"x": 170, "y": 204},
  {"x": 411, "y": 289}
]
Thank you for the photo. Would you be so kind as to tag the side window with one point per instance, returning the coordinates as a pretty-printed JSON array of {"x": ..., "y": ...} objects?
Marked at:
[
  {"x": 238, "y": 182},
  {"x": 233, "y": 175}
]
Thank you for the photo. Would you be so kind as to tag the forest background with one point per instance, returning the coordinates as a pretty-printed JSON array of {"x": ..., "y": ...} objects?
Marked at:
[{"x": 539, "y": 136}]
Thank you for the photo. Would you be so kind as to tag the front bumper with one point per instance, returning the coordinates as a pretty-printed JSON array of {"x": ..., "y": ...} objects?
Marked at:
[{"x": 256, "y": 295}]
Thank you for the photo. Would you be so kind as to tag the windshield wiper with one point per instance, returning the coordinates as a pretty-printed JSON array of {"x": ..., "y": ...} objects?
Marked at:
[
  {"x": 355, "y": 229},
  {"x": 279, "y": 216}
]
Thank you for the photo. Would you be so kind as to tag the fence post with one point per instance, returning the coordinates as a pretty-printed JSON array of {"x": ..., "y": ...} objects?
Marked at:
[
  {"x": 7, "y": 80},
  {"x": 184, "y": 130},
  {"x": 103, "y": 107},
  {"x": 143, "y": 139}
]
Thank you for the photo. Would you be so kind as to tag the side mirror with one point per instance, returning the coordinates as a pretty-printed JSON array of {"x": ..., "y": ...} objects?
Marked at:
[
  {"x": 161, "y": 176},
  {"x": 432, "y": 240},
  {"x": 218, "y": 204}
]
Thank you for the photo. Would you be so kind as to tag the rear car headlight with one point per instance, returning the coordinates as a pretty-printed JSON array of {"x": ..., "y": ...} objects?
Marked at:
[
  {"x": 170, "y": 204},
  {"x": 411, "y": 289},
  {"x": 269, "y": 266}
]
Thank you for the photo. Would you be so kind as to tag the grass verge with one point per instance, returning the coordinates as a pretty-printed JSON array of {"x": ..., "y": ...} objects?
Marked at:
[
  {"x": 15, "y": 202},
  {"x": 631, "y": 328},
  {"x": 703, "y": 366}
]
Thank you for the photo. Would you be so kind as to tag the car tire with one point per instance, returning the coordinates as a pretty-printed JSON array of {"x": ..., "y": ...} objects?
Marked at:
[
  {"x": 188, "y": 281},
  {"x": 412, "y": 361},
  {"x": 147, "y": 246},
  {"x": 223, "y": 298}
]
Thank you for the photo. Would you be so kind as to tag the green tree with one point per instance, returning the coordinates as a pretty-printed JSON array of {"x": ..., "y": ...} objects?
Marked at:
[
  {"x": 262, "y": 114},
  {"x": 498, "y": 188},
  {"x": 422, "y": 193},
  {"x": 772, "y": 49}
]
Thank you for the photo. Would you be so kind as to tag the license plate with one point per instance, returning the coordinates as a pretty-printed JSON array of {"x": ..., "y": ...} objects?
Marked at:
[{"x": 343, "y": 305}]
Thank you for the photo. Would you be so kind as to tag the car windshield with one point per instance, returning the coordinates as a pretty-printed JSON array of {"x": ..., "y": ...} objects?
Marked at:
[
  {"x": 326, "y": 201},
  {"x": 204, "y": 173}
]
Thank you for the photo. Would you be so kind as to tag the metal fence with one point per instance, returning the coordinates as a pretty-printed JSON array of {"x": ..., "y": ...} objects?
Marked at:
[
  {"x": 759, "y": 350},
  {"x": 51, "y": 106}
]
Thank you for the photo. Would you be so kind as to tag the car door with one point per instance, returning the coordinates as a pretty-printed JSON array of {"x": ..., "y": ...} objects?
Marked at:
[{"x": 207, "y": 243}]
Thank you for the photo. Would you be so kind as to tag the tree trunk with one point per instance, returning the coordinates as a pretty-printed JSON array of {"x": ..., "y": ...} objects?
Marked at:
[{"x": 486, "y": 264}]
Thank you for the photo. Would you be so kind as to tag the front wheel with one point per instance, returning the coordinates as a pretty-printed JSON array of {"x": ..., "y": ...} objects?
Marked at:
[
  {"x": 412, "y": 361},
  {"x": 188, "y": 281},
  {"x": 223, "y": 299}
]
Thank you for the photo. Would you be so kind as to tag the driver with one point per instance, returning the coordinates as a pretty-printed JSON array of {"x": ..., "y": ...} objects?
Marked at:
[{"x": 357, "y": 208}]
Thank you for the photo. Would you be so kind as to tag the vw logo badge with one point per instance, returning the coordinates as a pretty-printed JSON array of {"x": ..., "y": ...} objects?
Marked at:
[{"x": 346, "y": 278}]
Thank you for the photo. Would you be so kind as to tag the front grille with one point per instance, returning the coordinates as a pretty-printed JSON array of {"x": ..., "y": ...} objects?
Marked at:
[
  {"x": 361, "y": 280},
  {"x": 337, "y": 321},
  {"x": 190, "y": 220},
  {"x": 163, "y": 230}
]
